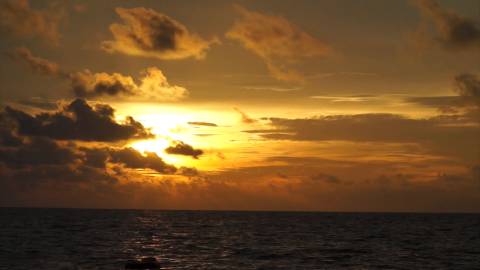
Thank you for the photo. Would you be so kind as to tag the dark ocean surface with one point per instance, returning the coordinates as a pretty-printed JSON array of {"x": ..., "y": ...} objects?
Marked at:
[{"x": 106, "y": 239}]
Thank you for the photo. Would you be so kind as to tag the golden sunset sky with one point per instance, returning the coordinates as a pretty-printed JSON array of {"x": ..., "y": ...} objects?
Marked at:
[{"x": 241, "y": 105}]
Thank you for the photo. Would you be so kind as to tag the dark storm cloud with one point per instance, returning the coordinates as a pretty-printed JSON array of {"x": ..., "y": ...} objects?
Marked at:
[
  {"x": 455, "y": 31},
  {"x": 77, "y": 121},
  {"x": 37, "y": 64},
  {"x": 38, "y": 151},
  {"x": 148, "y": 33},
  {"x": 20, "y": 19},
  {"x": 207, "y": 124},
  {"x": 181, "y": 148}
]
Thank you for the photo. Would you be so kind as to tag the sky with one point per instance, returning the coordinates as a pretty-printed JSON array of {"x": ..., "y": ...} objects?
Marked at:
[{"x": 241, "y": 105}]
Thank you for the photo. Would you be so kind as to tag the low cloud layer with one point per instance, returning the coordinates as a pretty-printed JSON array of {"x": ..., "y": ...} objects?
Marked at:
[
  {"x": 76, "y": 121},
  {"x": 276, "y": 40},
  {"x": 148, "y": 33},
  {"x": 454, "y": 31},
  {"x": 18, "y": 18}
]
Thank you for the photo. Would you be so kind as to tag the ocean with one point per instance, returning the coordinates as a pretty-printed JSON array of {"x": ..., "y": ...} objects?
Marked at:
[{"x": 106, "y": 239}]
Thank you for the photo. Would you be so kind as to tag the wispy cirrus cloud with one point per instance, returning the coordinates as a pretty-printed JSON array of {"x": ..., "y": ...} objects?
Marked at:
[
  {"x": 17, "y": 17},
  {"x": 277, "y": 41}
]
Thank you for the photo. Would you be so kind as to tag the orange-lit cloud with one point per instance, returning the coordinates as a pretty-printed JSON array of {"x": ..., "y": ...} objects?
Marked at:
[
  {"x": 277, "y": 41},
  {"x": 148, "y": 33},
  {"x": 152, "y": 85},
  {"x": 20, "y": 19}
]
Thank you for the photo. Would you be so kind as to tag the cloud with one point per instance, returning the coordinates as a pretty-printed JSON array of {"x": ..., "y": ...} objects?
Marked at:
[
  {"x": 36, "y": 64},
  {"x": 37, "y": 102},
  {"x": 8, "y": 136},
  {"x": 87, "y": 84},
  {"x": 181, "y": 148},
  {"x": 77, "y": 121},
  {"x": 131, "y": 158},
  {"x": 468, "y": 86},
  {"x": 368, "y": 128},
  {"x": 38, "y": 151},
  {"x": 245, "y": 118},
  {"x": 20, "y": 19},
  {"x": 436, "y": 101},
  {"x": 206, "y": 124},
  {"x": 152, "y": 85},
  {"x": 446, "y": 135},
  {"x": 148, "y": 33},
  {"x": 454, "y": 31},
  {"x": 275, "y": 40}
]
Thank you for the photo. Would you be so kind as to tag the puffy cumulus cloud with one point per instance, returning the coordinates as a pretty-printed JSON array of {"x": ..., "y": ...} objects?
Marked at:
[
  {"x": 148, "y": 33},
  {"x": 454, "y": 31},
  {"x": 37, "y": 64},
  {"x": 275, "y": 39},
  {"x": 76, "y": 121},
  {"x": 131, "y": 158},
  {"x": 87, "y": 84},
  {"x": 153, "y": 85},
  {"x": 181, "y": 148},
  {"x": 17, "y": 17}
]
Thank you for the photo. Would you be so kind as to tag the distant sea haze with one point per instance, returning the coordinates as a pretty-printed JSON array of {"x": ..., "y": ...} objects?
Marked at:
[{"x": 107, "y": 239}]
